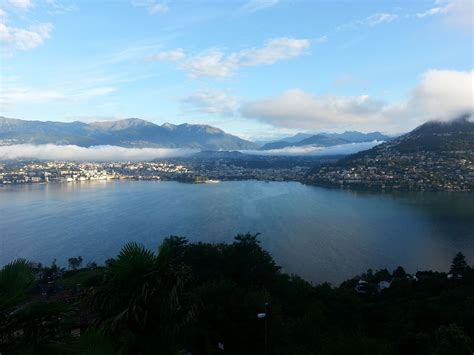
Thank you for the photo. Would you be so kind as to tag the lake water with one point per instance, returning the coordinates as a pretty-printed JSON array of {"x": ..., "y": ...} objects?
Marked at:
[{"x": 320, "y": 234}]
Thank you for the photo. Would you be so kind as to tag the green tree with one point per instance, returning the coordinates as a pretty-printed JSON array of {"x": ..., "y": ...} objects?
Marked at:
[
  {"x": 33, "y": 327},
  {"x": 16, "y": 279},
  {"x": 143, "y": 297}
]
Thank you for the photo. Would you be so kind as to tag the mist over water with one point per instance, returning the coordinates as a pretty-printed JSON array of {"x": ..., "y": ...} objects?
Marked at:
[
  {"x": 115, "y": 153},
  {"x": 95, "y": 153},
  {"x": 342, "y": 149},
  {"x": 319, "y": 234}
]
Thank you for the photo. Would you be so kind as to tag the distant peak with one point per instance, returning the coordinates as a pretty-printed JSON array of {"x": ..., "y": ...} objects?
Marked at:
[
  {"x": 168, "y": 125},
  {"x": 201, "y": 127}
]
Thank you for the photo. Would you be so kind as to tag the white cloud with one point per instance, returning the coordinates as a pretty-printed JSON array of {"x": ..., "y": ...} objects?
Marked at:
[
  {"x": 440, "y": 95},
  {"x": 172, "y": 55},
  {"x": 21, "y": 4},
  {"x": 457, "y": 13},
  {"x": 431, "y": 12},
  {"x": 214, "y": 63},
  {"x": 14, "y": 38},
  {"x": 217, "y": 64},
  {"x": 212, "y": 102},
  {"x": 257, "y": 5},
  {"x": 59, "y": 8},
  {"x": 96, "y": 153},
  {"x": 342, "y": 149},
  {"x": 153, "y": 7},
  {"x": 298, "y": 109},
  {"x": 371, "y": 21},
  {"x": 9, "y": 97},
  {"x": 377, "y": 19},
  {"x": 3, "y": 14}
]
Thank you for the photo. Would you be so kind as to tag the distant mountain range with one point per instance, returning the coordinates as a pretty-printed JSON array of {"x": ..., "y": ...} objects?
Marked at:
[
  {"x": 325, "y": 139},
  {"x": 132, "y": 132}
]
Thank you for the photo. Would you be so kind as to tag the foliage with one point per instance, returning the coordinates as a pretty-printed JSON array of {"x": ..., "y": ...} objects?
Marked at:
[
  {"x": 75, "y": 263},
  {"x": 16, "y": 278},
  {"x": 188, "y": 297},
  {"x": 459, "y": 265}
]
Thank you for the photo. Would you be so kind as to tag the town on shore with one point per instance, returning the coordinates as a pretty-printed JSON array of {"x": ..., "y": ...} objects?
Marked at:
[
  {"x": 22, "y": 172},
  {"x": 424, "y": 171}
]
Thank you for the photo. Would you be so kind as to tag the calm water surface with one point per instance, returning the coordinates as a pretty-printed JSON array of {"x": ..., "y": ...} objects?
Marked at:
[{"x": 320, "y": 234}]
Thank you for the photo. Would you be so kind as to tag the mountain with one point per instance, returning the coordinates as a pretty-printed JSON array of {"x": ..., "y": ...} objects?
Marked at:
[
  {"x": 323, "y": 140},
  {"x": 298, "y": 137},
  {"x": 326, "y": 139},
  {"x": 434, "y": 156},
  {"x": 132, "y": 132},
  {"x": 359, "y": 137}
]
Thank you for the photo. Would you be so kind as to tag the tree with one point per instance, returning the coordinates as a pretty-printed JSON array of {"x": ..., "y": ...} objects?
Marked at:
[
  {"x": 35, "y": 325},
  {"x": 459, "y": 265},
  {"x": 451, "y": 340},
  {"x": 16, "y": 279},
  {"x": 92, "y": 265},
  {"x": 144, "y": 297},
  {"x": 399, "y": 272},
  {"x": 75, "y": 263}
]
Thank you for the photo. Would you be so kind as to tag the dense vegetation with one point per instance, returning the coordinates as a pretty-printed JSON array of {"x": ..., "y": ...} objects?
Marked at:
[{"x": 199, "y": 298}]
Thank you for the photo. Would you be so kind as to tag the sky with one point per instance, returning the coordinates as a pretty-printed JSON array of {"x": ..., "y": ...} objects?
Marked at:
[{"x": 259, "y": 69}]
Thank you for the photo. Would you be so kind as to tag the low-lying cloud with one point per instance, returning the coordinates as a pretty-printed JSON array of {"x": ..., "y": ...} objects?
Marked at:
[
  {"x": 95, "y": 153},
  {"x": 310, "y": 150}
]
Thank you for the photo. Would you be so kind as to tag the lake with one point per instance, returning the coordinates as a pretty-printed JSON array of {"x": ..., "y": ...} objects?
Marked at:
[{"x": 320, "y": 234}]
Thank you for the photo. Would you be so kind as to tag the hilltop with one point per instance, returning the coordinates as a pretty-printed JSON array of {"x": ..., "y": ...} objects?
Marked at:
[
  {"x": 325, "y": 139},
  {"x": 434, "y": 156}
]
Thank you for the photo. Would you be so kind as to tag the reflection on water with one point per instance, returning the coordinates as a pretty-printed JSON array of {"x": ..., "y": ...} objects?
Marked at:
[{"x": 320, "y": 234}]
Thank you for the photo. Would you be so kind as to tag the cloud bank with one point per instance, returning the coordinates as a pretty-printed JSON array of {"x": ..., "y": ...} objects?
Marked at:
[
  {"x": 441, "y": 95},
  {"x": 310, "y": 150},
  {"x": 96, "y": 153}
]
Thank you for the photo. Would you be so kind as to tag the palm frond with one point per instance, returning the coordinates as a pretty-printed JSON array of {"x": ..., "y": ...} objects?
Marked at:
[{"x": 16, "y": 279}]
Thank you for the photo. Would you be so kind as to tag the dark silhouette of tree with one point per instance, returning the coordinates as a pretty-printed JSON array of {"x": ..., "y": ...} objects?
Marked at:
[
  {"x": 459, "y": 265},
  {"x": 33, "y": 327},
  {"x": 188, "y": 297},
  {"x": 16, "y": 279},
  {"x": 399, "y": 272},
  {"x": 144, "y": 294},
  {"x": 75, "y": 263}
]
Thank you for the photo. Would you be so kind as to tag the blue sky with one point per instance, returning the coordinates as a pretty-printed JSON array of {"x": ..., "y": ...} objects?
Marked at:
[{"x": 258, "y": 68}]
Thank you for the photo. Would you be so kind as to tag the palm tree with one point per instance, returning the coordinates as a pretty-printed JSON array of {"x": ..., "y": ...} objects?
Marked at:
[
  {"x": 143, "y": 296},
  {"x": 16, "y": 279}
]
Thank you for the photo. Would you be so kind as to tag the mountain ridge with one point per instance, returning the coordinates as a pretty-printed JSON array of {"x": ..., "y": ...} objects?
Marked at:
[
  {"x": 325, "y": 139},
  {"x": 130, "y": 132}
]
